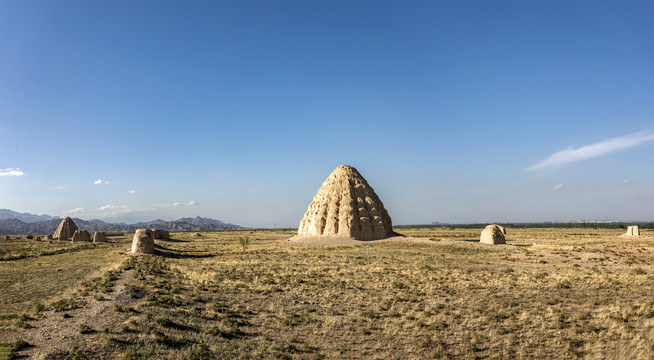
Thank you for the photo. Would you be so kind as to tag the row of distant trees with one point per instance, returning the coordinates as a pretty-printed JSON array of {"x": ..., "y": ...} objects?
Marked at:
[{"x": 576, "y": 225}]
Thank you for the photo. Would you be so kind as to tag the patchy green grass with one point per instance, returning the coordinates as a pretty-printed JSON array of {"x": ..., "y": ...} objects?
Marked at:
[{"x": 39, "y": 279}]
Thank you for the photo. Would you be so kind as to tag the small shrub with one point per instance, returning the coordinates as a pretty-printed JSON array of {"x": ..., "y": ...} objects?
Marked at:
[
  {"x": 65, "y": 304},
  {"x": 77, "y": 354},
  {"x": 244, "y": 241},
  {"x": 639, "y": 271},
  {"x": 164, "y": 321},
  {"x": 369, "y": 314},
  {"x": 130, "y": 355},
  {"x": 220, "y": 307},
  {"x": 399, "y": 285},
  {"x": 19, "y": 345},
  {"x": 85, "y": 329},
  {"x": 295, "y": 319},
  {"x": 198, "y": 352},
  {"x": 23, "y": 324},
  {"x": 124, "y": 328}
]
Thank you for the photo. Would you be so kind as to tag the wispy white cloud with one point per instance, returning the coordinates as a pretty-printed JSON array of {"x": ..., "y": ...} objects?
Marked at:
[
  {"x": 11, "y": 172},
  {"x": 190, "y": 203},
  {"x": 626, "y": 181},
  {"x": 105, "y": 210},
  {"x": 79, "y": 210},
  {"x": 115, "y": 210},
  {"x": 101, "y": 182},
  {"x": 131, "y": 192},
  {"x": 127, "y": 212},
  {"x": 58, "y": 188},
  {"x": 571, "y": 155},
  {"x": 557, "y": 187}
]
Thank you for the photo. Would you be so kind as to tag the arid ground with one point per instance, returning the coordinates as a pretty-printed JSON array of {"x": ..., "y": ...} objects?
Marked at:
[{"x": 548, "y": 293}]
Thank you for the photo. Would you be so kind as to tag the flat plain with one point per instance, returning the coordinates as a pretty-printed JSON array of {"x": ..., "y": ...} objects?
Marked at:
[{"x": 548, "y": 293}]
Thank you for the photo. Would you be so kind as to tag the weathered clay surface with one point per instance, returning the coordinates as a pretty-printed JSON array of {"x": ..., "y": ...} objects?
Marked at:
[
  {"x": 81, "y": 235},
  {"x": 143, "y": 242},
  {"x": 66, "y": 229},
  {"x": 100, "y": 236},
  {"x": 346, "y": 205},
  {"x": 633, "y": 230},
  {"x": 493, "y": 234}
]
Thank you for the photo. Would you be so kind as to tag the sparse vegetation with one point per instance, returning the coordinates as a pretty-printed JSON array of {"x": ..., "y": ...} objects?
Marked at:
[
  {"x": 11, "y": 350},
  {"x": 76, "y": 354},
  {"x": 551, "y": 293},
  {"x": 244, "y": 241},
  {"x": 85, "y": 329}
]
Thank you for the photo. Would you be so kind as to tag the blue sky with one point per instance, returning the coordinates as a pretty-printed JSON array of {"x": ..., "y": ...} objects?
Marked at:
[{"x": 454, "y": 111}]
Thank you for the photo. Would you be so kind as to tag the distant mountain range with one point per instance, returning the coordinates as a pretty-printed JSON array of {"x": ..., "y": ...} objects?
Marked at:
[
  {"x": 13, "y": 223},
  {"x": 25, "y": 217}
]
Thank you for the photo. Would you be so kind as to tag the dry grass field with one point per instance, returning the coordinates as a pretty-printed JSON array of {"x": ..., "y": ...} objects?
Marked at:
[{"x": 548, "y": 293}]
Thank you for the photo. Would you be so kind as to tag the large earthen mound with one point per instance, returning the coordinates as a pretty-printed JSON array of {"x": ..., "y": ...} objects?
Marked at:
[
  {"x": 493, "y": 234},
  {"x": 66, "y": 229},
  {"x": 347, "y": 206},
  {"x": 99, "y": 236},
  {"x": 143, "y": 242},
  {"x": 81, "y": 235}
]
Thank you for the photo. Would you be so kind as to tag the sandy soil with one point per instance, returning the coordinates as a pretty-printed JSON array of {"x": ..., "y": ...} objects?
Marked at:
[
  {"x": 625, "y": 236},
  {"x": 55, "y": 336},
  {"x": 346, "y": 241}
]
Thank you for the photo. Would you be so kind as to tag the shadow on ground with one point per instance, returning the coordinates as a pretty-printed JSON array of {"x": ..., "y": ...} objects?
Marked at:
[{"x": 171, "y": 253}]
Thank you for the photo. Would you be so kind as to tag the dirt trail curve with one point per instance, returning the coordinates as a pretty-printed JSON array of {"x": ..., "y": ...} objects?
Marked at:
[{"x": 54, "y": 337}]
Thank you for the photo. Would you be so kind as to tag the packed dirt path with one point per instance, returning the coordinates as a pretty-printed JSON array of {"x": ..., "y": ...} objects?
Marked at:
[{"x": 55, "y": 336}]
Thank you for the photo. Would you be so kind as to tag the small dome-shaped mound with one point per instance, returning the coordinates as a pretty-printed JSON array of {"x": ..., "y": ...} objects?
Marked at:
[
  {"x": 99, "y": 236},
  {"x": 81, "y": 235},
  {"x": 493, "y": 234},
  {"x": 143, "y": 242}
]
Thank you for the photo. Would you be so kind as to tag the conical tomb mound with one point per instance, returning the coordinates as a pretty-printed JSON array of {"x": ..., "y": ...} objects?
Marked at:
[
  {"x": 66, "y": 229},
  {"x": 346, "y": 205}
]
